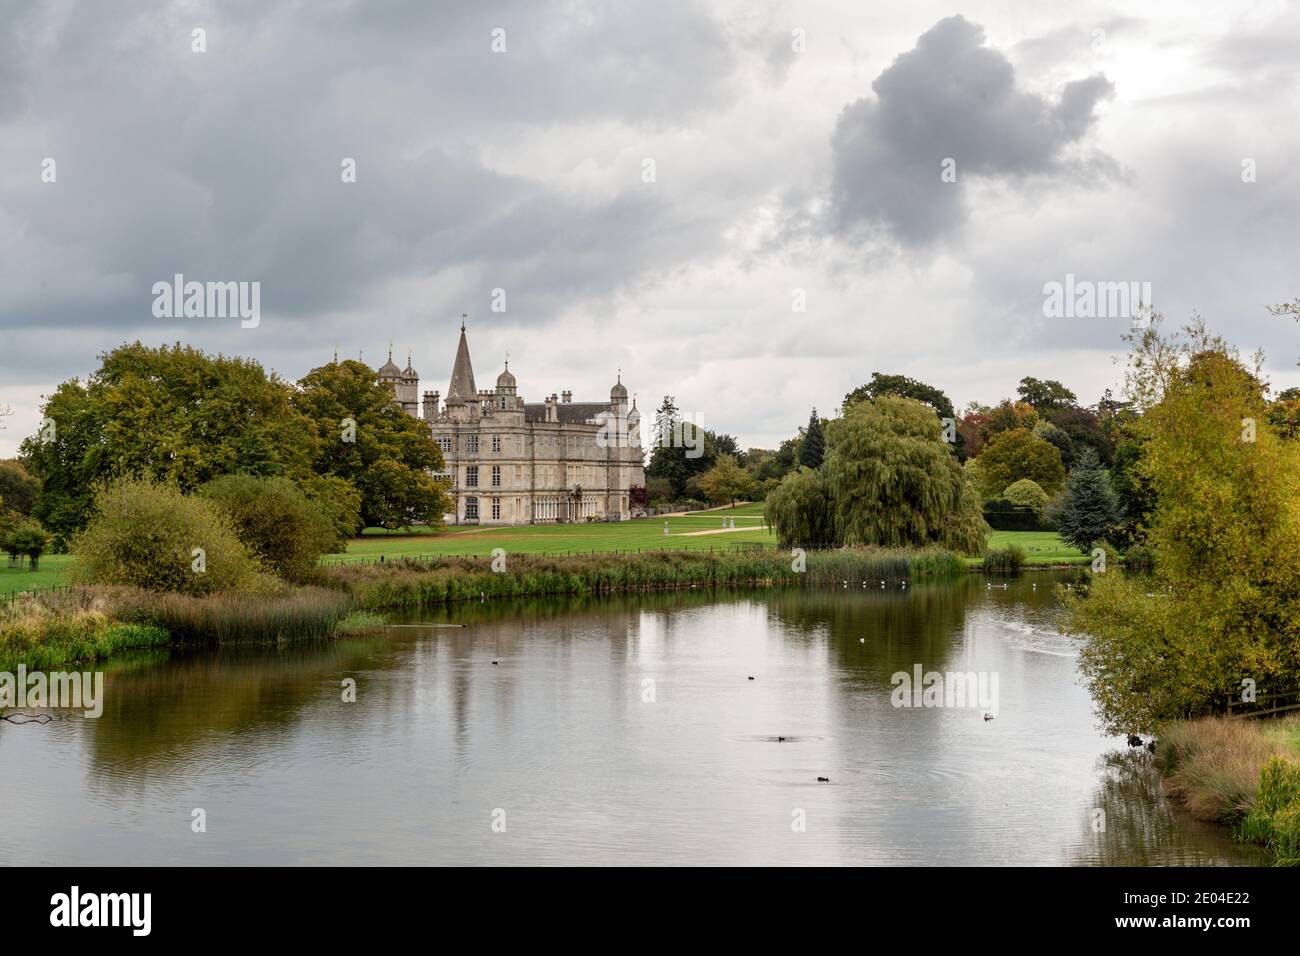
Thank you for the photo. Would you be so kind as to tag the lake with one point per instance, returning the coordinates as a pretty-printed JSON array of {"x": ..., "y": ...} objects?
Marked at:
[{"x": 621, "y": 730}]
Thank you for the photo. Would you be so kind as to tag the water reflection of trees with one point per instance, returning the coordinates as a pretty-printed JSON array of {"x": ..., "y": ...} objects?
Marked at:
[
  {"x": 1142, "y": 828},
  {"x": 159, "y": 717},
  {"x": 162, "y": 716},
  {"x": 164, "y": 711},
  {"x": 900, "y": 628}
]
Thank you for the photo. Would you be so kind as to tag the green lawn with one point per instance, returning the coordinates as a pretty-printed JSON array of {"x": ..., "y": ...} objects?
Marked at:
[
  {"x": 1041, "y": 547},
  {"x": 51, "y": 570},
  {"x": 694, "y": 530}
]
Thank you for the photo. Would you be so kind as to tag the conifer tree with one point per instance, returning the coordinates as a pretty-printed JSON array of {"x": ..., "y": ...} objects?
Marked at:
[
  {"x": 1090, "y": 507},
  {"x": 813, "y": 450}
]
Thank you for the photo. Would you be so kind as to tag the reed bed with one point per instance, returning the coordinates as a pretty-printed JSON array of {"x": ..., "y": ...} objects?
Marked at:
[
  {"x": 224, "y": 618},
  {"x": 410, "y": 584}
]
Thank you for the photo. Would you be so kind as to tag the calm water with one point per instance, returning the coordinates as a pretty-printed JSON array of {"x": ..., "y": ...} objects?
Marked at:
[{"x": 558, "y": 737}]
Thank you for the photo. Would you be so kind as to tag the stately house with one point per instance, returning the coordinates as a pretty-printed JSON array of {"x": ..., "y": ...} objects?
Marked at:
[{"x": 513, "y": 462}]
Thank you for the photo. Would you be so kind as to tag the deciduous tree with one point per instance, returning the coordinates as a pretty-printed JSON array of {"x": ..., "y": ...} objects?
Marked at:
[
  {"x": 1014, "y": 454},
  {"x": 1224, "y": 604},
  {"x": 171, "y": 414},
  {"x": 363, "y": 436}
]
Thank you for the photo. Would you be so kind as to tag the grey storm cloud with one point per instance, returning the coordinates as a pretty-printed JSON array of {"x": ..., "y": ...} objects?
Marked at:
[
  {"x": 522, "y": 170},
  {"x": 951, "y": 97},
  {"x": 226, "y": 165}
]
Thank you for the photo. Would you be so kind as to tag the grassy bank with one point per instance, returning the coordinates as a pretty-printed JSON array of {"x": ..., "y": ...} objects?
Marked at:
[
  {"x": 411, "y": 583},
  {"x": 696, "y": 531},
  {"x": 1244, "y": 774}
]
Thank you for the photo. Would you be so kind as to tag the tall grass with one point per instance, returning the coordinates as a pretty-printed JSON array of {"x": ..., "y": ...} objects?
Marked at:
[
  {"x": 1243, "y": 773},
  {"x": 411, "y": 584},
  {"x": 38, "y": 635},
  {"x": 1212, "y": 765},
  {"x": 1274, "y": 820},
  {"x": 297, "y": 614},
  {"x": 83, "y": 624}
]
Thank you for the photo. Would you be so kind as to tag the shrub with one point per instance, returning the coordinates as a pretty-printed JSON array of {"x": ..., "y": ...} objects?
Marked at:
[
  {"x": 1010, "y": 558},
  {"x": 145, "y": 534},
  {"x": 275, "y": 521},
  {"x": 1139, "y": 557},
  {"x": 1274, "y": 820},
  {"x": 1026, "y": 493},
  {"x": 340, "y": 502}
]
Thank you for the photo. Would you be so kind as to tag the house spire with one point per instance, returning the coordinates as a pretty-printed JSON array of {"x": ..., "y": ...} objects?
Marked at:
[{"x": 462, "y": 388}]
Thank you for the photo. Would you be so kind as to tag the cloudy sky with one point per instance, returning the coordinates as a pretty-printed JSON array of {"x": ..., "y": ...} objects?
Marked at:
[{"x": 655, "y": 186}]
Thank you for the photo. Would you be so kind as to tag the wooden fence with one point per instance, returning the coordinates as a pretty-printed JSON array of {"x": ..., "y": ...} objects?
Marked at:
[{"x": 1264, "y": 705}]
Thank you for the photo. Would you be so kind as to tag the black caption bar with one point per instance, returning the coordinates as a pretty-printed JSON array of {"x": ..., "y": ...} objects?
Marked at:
[{"x": 142, "y": 906}]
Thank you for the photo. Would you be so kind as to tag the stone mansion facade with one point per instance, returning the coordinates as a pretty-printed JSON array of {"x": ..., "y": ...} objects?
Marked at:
[{"x": 513, "y": 462}]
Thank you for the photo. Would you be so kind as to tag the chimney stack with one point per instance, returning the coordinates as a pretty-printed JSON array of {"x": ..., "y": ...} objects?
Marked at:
[
  {"x": 567, "y": 395},
  {"x": 430, "y": 406}
]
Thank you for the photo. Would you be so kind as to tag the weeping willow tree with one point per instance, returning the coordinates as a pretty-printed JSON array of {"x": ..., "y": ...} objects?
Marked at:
[
  {"x": 801, "y": 511},
  {"x": 896, "y": 482},
  {"x": 889, "y": 479}
]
